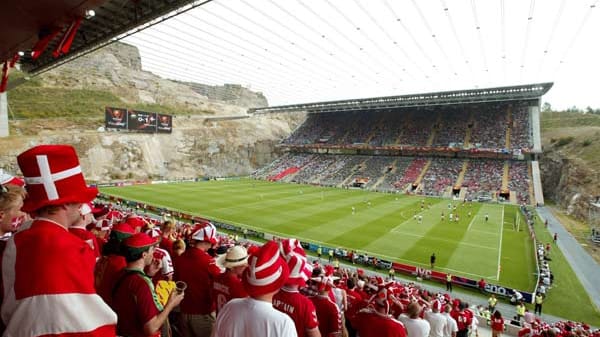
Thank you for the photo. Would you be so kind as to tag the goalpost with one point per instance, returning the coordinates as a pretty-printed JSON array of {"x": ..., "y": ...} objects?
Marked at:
[{"x": 518, "y": 220}]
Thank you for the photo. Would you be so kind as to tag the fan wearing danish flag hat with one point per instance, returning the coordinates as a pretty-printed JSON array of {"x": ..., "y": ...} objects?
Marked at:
[
  {"x": 63, "y": 263},
  {"x": 198, "y": 269},
  {"x": 255, "y": 316},
  {"x": 328, "y": 312},
  {"x": 289, "y": 300}
]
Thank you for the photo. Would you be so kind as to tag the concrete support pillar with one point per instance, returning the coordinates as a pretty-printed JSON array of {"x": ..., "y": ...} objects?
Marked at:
[{"x": 3, "y": 115}]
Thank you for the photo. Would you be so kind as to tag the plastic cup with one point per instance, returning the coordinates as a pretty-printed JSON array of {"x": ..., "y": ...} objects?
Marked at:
[{"x": 180, "y": 287}]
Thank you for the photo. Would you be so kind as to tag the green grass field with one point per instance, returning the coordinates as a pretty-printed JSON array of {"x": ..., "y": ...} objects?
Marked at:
[
  {"x": 470, "y": 247},
  {"x": 386, "y": 228}
]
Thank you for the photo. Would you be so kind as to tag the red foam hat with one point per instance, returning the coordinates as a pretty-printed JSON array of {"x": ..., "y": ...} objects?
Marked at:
[
  {"x": 205, "y": 232},
  {"x": 293, "y": 253},
  {"x": 266, "y": 271},
  {"x": 8, "y": 179},
  {"x": 53, "y": 177}
]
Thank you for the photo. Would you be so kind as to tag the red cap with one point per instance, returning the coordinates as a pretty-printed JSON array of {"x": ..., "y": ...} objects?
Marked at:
[{"x": 139, "y": 240}]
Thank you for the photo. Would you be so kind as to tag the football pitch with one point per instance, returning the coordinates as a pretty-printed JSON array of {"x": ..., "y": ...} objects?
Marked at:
[{"x": 384, "y": 225}]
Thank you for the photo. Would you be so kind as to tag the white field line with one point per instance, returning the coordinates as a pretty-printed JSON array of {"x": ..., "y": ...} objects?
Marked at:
[
  {"x": 443, "y": 240},
  {"x": 500, "y": 245},
  {"x": 471, "y": 223}
]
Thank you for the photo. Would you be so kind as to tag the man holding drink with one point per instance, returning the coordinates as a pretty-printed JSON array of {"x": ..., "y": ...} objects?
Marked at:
[{"x": 134, "y": 298}]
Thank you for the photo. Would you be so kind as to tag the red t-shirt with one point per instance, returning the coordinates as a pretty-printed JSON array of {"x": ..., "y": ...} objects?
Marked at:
[
  {"x": 369, "y": 323},
  {"x": 135, "y": 303},
  {"x": 226, "y": 287},
  {"x": 108, "y": 268},
  {"x": 298, "y": 307},
  {"x": 196, "y": 268},
  {"x": 167, "y": 244},
  {"x": 463, "y": 319},
  {"x": 328, "y": 314},
  {"x": 497, "y": 324}
]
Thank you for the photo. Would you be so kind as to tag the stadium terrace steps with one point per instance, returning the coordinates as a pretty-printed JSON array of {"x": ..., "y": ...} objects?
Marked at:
[
  {"x": 467, "y": 140},
  {"x": 537, "y": 183},
  {"x": 505, "y": 177},
  {"x": 461, "y": 175},
  {"x": 509, "y": 128},
  {"x": 530, "y": 185},
  {"x": 423, "y": 171}
]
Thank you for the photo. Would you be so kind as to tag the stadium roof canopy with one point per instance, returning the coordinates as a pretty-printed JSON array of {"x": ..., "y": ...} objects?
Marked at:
[
  {"x": 24, "y": 23},
  {"x": 520, "y": 92}
]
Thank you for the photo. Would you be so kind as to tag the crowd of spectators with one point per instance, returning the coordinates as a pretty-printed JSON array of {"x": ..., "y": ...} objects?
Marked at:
[
  {"x": 441, "y": 175},
  {"x": 486, "y": 123},
  {"x": 489, "y": 128},
  {"x": 452, "y": 128},
  {"x": 519, "y": 181},
  {"x": 520, "y": 131},
  {"x": 483, "y": 176}
]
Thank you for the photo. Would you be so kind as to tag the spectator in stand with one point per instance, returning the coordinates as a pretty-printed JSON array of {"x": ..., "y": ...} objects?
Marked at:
[
  {"x": 79, "y": 229},
  {"x": 497, "y": 324},
  {"x": 255, "y": 316},
  {"x": 168, "y": 236},
  {"x": 463, "y": 320},
  {"x": 178, "y": 247},
  {"x": 328, "y": 313},
  {"x": 481, "y": 286},
  {"x": 110, "y": 264},
  {"x": 414, "y": 324},
  {"x": 375, "y": 321},
  {"x": 437, "y": 321},
  {"x": 11, "y": 216},
  {"x": 63, "y": 282},
  {"x": 451, "y": 326},
  {"x": 228, "y": 285},
  {"x": 289, "y": 300},
  {"x": 134, "y": 299},
  {"x": 197, "y": 269}
]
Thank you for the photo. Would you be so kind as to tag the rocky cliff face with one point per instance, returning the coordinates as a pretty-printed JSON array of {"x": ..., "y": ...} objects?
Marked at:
[
  {"x": 117, "y": 68},
  {"x": 569, "y": 175},
  {"x": 198, "y": 145}
]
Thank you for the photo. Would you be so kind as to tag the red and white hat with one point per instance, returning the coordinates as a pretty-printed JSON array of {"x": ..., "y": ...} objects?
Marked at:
[
  {"x": 266, "y": 272},
  {"x": 103, "y": 225},
  {"x": 9, "y": 179},
  {"x": 294, "y": 255},
  {"x": 205, "y": 232},
  {"x": 53, "y": 177}
]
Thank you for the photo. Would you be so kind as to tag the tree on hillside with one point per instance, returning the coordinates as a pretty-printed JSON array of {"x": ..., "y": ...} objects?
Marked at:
[{"x": 546, "y": 107}]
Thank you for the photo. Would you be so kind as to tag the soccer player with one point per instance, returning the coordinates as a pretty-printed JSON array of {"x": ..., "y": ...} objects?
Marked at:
[{"x": 486, "y": 217}]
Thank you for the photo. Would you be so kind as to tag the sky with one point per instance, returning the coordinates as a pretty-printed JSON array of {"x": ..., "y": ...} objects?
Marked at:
[{"x": 300, "y": 51}]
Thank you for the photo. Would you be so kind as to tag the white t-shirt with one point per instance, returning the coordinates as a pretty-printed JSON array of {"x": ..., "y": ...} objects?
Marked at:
[
  {"x": 451, "y": 325},
  {"x": 437, "y": 323},
  {"x": 415, "y": 327},
  {"x": 252, "y": 318}
]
